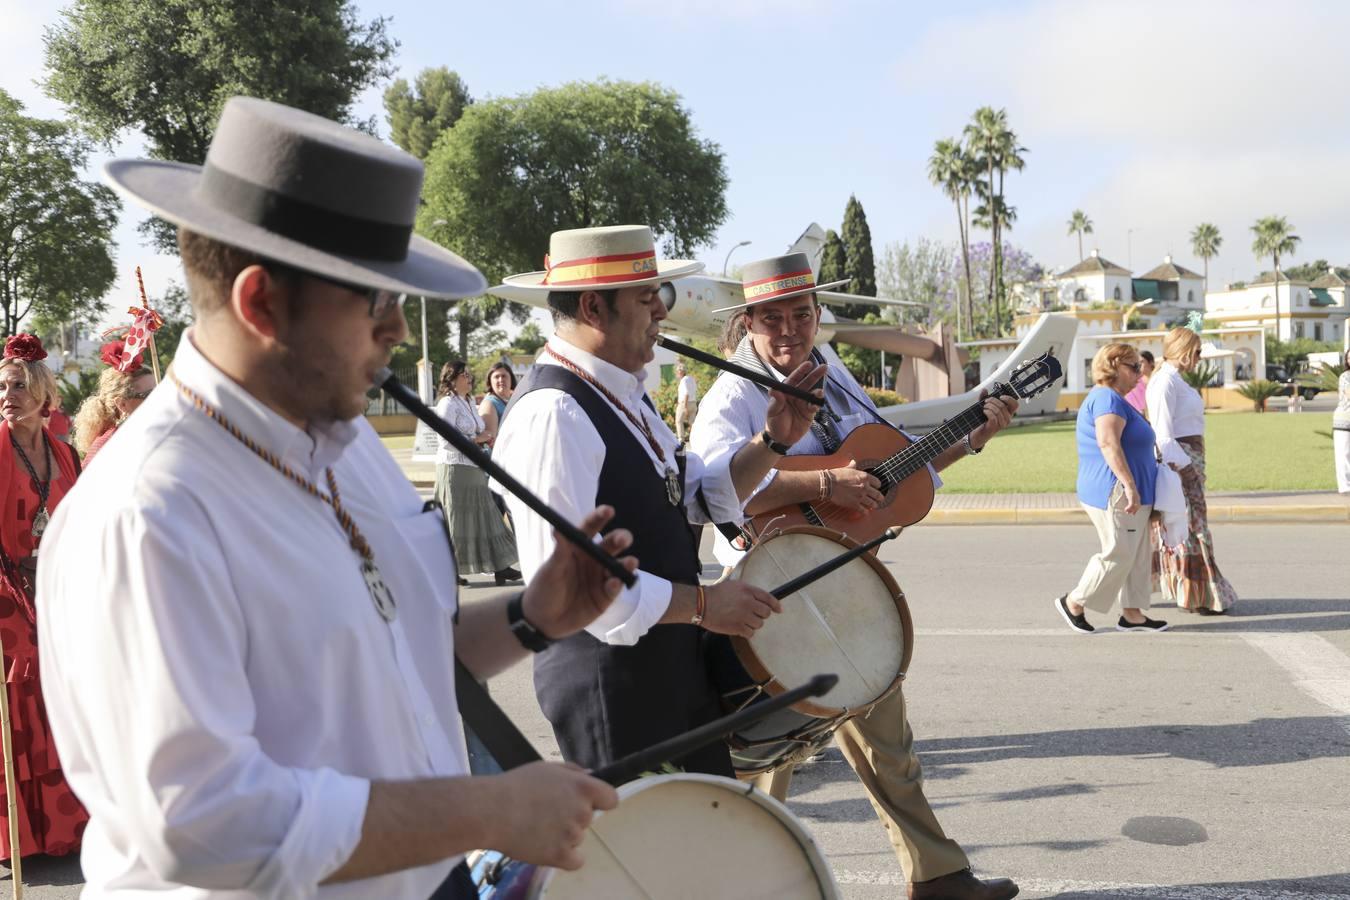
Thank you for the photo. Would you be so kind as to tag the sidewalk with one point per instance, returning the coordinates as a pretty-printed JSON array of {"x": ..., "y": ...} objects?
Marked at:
[{"x": 1063, "y": 509}]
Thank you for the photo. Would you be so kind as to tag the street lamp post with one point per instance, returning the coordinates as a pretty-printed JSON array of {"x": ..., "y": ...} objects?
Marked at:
[{"x": 727, "y": 261}]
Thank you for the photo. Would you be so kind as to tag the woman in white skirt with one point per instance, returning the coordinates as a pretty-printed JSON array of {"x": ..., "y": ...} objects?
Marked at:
[
  {"x": 1340, "y": 428},
  {"x": 480, "y": 537}
]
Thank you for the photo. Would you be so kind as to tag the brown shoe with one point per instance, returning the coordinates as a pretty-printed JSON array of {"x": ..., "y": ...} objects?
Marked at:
[{"x": 963, "y": 885}]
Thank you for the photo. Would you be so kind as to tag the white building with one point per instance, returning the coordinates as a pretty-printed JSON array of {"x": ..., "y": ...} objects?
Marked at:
[
  {"x": 1316, "y": 310},
  {"x": 1168, "y": 293}
]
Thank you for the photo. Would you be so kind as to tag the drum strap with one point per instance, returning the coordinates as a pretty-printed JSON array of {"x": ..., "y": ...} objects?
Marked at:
[
  {"x": 494, "y": 728},
  {"x": 729, "y": 531}
]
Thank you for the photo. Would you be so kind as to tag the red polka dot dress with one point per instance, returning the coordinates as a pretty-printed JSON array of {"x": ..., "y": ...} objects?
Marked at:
[{"x": 51, "y": 819}]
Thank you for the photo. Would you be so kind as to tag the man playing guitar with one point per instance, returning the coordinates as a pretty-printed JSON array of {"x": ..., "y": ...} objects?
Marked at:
[{"x": 782, "y": 318}]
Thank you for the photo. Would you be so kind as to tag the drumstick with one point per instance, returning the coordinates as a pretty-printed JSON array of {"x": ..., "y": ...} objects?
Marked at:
[
  {"x": 404, "y": 395},
  {"x": 11, "y": 796},
  {"x": 633, "y": 765},
  {"x": 829, "y": 566},
  {"x": 772, "y": 384}
]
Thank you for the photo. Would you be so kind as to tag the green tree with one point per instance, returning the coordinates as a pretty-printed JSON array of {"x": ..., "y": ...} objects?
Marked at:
[
  {"x": 956, "y": 172},
  {"x": 55, "y": 228},
  {"x": 833, "y": 258},
  {"x": 860, "y": 265},
  {"x": 1205, "y": 243},
  {"x": 166, "y": 67},
  {"x": 921, "y": 272},
  {"x": 529, "y": 340},
  {"x": 1308, "y": 271},
  {"x": 1274, "y": 237},
  {"x": 515, "y": 169},
  {"x": 994, "y": 145},
  {"x": 1259, "y": 391},
  {"x": 419, "y": 114},
  {"x": 1080, "y": 224}
]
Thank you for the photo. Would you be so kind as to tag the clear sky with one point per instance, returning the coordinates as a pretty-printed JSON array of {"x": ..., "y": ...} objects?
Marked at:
[{"x": 1150, "y": 115}]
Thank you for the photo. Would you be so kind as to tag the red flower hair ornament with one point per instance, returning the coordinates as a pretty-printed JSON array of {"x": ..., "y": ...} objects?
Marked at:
[
  {"x": 113, "y": 354},
  {"x": 26, "y": 347}
]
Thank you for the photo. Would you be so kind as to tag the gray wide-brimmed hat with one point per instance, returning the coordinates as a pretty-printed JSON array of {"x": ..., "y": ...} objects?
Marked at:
[
  {"x": 595, "y": 259},
  {"x": 306, "y": 192},
  {"x": 766, "y": 280}
]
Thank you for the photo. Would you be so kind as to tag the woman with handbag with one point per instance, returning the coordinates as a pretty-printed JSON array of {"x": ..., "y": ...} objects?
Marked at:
[{"x": 36, "y": 472}]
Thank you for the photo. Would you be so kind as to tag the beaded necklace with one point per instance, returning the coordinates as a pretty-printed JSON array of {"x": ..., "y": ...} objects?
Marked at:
[{"x": 380, "y": 595}]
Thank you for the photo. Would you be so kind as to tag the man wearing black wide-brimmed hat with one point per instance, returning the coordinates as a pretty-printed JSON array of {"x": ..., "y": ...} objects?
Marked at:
[{"x": 249, "y": 619}]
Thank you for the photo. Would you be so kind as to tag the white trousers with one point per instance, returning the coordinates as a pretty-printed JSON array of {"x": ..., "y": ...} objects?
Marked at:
[
  {"x": 1121, "y": 571},
  {"x": 1340, "y": 443}
]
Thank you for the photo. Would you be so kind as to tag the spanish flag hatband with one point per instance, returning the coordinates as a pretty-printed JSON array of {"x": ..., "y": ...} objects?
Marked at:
[
  {"x": 584, "y": 259},
  {"x": 779, "y": 278}
]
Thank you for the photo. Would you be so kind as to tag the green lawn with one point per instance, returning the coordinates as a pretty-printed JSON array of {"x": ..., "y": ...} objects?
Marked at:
[{"x": 1246, "y": 452}]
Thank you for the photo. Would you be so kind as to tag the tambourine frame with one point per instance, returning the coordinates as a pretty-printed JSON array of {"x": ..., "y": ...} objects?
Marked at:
[{"x": 760, "y": 674}]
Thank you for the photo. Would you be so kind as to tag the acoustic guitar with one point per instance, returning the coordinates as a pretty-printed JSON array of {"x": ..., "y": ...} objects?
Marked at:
[{"x": 901, "y": 465}]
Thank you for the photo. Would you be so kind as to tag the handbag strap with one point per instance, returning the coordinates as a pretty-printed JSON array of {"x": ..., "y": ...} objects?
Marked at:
[{"x": 494, "y": 728}]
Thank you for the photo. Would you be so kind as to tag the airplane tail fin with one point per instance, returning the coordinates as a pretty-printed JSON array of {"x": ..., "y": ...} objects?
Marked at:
[{"x": 812, "y": 243}]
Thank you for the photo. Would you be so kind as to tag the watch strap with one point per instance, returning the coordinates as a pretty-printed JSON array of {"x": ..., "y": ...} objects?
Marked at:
[
  {"x": 777, "y": 447},
  {"x": 530, "y": 638}
]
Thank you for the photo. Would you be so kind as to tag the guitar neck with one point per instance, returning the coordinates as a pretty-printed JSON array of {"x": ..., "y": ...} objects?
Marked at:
[{"x": 923, "y": 451}]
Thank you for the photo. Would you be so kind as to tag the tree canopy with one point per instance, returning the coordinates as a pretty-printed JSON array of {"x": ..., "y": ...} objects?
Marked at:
[
  {"x": 55, "y": 228},
  {"x": 419, "y": 114},
  {"x": 860, "y": 266},
  {"x": 833, "y": 259},
  {"x": 166, "y": 67}
]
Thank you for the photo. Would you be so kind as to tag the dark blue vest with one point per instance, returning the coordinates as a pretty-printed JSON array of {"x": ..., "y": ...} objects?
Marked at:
[{"x": 607, "y": 701}]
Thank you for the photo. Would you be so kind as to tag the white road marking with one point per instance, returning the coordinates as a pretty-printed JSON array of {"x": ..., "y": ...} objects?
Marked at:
[
  {"x": 1108, "y": 888},
  {"x": 1317, "y": 667}
]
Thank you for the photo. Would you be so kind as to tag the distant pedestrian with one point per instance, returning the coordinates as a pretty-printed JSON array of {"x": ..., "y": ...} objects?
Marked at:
[
  {"x": 480, "y": 537},
  {"x": 1116, "y": 476},
  {"x": 686, "y": 400},
  {"x": 1188, "y": 574},
  {"x": 1340, "y": 427},
  {"x": 1136, "y": 396},
  {"x": 501, "y": 383}
]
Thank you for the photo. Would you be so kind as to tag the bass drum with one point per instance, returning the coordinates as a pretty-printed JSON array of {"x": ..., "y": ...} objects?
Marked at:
[
  {"x": 687, "y": 836},
  {"x": 853, "y": 622}
]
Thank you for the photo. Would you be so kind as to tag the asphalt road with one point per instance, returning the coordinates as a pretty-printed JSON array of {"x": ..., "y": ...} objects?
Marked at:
[{"x": 1209, "y": 763}]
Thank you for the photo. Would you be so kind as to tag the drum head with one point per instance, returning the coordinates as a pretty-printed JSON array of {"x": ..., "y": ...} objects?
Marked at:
[
  {"x": 851, "y": 622},
  {"x": 695, "y": 837}
]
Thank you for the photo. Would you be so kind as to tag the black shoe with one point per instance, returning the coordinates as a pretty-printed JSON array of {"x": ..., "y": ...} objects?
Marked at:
[
  {"x": 1206, "y": 611},
  {"x": 1147, "y": 626},
  {"x": 504, "y": 575},
  {"x": 1078, "y": 623},
  {"x": 463, "y": 582}
]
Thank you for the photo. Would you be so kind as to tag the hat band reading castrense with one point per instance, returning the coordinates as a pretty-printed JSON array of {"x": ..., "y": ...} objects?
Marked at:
[
  {"x": 768, "y": 288},
  {"x": 323, "y": 229},
  {"x": 601, "y": 269}
]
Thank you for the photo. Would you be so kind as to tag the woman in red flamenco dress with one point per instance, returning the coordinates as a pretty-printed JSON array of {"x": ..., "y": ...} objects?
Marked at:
[{"x": 36, "y": 472}]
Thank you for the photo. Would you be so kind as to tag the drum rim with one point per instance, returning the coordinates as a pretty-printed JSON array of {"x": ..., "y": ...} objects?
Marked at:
[
  {"x": 795, "y": 826},
  {"x": 759, "y": 673}
]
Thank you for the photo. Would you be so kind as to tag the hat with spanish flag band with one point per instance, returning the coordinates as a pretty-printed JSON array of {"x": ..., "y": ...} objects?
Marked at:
[
  {"x": 597, "y": 259},
  {"x": 778, "y": 278}
]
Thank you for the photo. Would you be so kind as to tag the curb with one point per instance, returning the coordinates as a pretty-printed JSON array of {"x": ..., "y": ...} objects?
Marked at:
[{"x": 1240, "y": 514}]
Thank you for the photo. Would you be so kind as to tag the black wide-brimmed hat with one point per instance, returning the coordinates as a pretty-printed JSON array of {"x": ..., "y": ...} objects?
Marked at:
[{"x": 307, "y": 192}]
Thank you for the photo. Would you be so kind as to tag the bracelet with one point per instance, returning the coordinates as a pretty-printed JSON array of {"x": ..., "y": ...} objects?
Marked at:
[
  {"x": 700, "y": 606},
  {"x": 824, "y": 485},
  {"x": 829, "y": 483},
  {"x": 779, "y": 448},
  {"x": 970, "y": 448},
  {"x": 530, "y": 638}
]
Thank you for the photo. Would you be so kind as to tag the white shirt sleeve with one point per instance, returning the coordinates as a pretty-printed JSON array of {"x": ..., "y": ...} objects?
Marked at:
[
  {"x": 164, "y": 705},
  {"x": 728, "y": 418},
  {"x": 554, "y": 450},
  {"x": 1163, "y": 400}
]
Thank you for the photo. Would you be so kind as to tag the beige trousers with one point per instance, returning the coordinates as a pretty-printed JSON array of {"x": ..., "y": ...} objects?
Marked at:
[
  {"x": 880, "y": 748},
  {"x": 684, "y": 412},
  {"x": 1121, "y": 571}
]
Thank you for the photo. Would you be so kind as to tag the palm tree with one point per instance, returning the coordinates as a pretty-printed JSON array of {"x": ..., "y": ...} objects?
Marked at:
[
  {"x": 1205, "y": 243},
  {"x": 951, "y": 169},
  {"x": 994, "y": 146},
  {"x": 1080, "y": 223},
  {"x": 1275, "y": 238}
]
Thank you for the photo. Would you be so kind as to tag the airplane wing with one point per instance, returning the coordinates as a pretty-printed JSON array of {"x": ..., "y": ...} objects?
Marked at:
[{"x": 835, "y": 298}]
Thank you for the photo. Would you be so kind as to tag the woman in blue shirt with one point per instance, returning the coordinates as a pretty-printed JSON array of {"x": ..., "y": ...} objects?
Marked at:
[{"x": 1117, "y": 469}]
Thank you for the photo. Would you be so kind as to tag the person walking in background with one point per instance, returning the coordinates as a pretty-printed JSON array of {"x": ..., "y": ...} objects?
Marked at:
[
  {"x": 1116, "y": 475},
  {"x": 1340, "y": 427},
  {"x": 501, "y": 383},
  {"x": 1136, "y": 396},
  {"x": 36, "y": 473},
  {"x": 119, "y": 395},
  {"x": 1188, "y": 574},
  {"x": 686, "y": 400},
  {"x": 481, "y": 539}
]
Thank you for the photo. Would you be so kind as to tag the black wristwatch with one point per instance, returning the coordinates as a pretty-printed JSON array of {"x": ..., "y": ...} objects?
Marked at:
[
  {"x": 530, "y": 638},
  {"x": 775, "y": 446}
]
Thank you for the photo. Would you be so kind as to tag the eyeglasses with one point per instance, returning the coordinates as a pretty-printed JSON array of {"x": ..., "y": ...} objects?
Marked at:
[
  {"x": 1134, "y": 367},
  {"x": 381, "y": 302},
  {"x": 139, "y": 395}
]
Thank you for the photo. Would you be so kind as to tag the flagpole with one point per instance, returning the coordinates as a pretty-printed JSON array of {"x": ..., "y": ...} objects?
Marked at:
[{"x": 154, "y": 353}]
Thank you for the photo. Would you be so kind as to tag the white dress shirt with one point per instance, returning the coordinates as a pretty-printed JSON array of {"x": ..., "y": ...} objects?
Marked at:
[
  {"x": 1175, "y": 409},
  {"x": 221, "y": 688},
  {"x": 460, "y": 413},
  {"x": 549, "y": 443},
  {"x": 687, "y": 392}
]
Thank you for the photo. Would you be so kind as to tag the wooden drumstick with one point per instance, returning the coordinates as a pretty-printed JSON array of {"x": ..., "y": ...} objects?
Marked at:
[
  {"x": 11, "y": 791},
  {"x": 763, "y": 380},
  {"x": 825, "y": 568}
]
